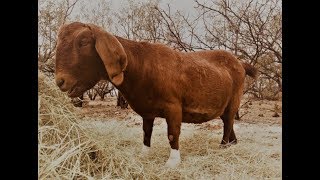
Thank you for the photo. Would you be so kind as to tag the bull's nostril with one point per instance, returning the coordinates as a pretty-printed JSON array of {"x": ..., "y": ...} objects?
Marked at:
[{"x": 60, "y": 82}]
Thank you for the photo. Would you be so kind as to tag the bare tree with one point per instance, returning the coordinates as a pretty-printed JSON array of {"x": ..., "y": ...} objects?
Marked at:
[
  {"x": 98, "y": 13},
  {"x": 103, "y": 88},
  {"x": 250, "y": 29},
  {"x": 253, "y": 31},
  {"x": 172, "y": 29},
  {"x": 139, "y": 21},
  {"x": 92, "y": 94},
  {"x": 51, "y": 15}
]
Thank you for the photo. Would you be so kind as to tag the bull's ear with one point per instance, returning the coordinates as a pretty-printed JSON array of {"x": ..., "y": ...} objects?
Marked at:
[{"x": 112, "y": 54}]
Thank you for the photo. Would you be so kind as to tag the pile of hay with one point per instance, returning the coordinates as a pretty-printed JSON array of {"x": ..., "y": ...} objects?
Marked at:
[
  {"x": 73, "y": 148},
  {"x": 64, "y": 148}
]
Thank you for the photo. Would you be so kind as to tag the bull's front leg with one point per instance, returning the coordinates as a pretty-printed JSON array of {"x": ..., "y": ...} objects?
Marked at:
[
  {"x": 174, "y": 119},
  {"x": 147, "y": 132}
]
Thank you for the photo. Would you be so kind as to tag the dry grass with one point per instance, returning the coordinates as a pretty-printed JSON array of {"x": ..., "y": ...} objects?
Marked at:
[
  {"x": 64, "y": 148},
  {"x": 67, "y": 143},
  {"x": 257, "y": 156}
]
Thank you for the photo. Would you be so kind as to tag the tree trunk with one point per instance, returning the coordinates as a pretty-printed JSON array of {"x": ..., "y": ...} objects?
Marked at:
[{"x": 121, "y": 101}]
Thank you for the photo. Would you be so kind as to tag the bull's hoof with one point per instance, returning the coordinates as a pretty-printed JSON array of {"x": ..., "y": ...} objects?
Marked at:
[
  {"x": 173, "y": 162},
  {"x": 234, "y": 142},
  {"x": 145, "y": 151},
  {"x": 174, "y": 159},
  {"x": 224, "y": 146}
]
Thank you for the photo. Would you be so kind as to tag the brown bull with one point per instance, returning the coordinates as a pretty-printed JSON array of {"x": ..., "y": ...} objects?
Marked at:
[{"x": 157, "y": 81}]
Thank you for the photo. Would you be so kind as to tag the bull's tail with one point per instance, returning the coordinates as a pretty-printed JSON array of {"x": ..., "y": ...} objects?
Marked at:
[{"x": 250, "y": 70}]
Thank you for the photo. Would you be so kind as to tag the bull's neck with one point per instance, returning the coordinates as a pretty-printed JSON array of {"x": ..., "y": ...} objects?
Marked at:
[{"x": 134, "y": 51}]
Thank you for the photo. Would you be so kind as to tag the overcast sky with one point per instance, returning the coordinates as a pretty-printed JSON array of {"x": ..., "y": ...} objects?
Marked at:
[{"x": 186, "y": 6}]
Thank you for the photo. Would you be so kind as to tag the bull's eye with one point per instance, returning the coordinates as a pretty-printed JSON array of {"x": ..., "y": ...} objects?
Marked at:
[{"x": 84, "y": 42}]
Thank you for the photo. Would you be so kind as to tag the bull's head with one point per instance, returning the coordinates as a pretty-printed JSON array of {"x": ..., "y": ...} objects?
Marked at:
[{"x": 86, "y": 54}]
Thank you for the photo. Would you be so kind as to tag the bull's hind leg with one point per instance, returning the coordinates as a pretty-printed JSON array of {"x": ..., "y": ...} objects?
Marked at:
[
  {"x": 228, "y": 132},
  {"x": 227, "y": 117},
  {"x": 233, "y": 138}
]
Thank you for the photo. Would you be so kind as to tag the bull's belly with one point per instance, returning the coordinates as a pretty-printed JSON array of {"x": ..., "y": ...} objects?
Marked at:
[
  {"x": 204, "y": 108},
  {"x": 199, "y": 113},
  {"x": 197, "y": 118}
]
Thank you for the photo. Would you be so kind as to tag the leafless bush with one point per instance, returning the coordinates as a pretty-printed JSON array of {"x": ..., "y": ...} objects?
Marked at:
[
  {"x": 51, "y": 15},
  {"x": 92, "y": 94},
  {"x": 250, "y": 29},
  {"x": 103, "y": 88}
]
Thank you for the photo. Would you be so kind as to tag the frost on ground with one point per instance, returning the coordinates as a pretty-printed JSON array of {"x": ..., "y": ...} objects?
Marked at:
[{"x": 257, "y": 154}]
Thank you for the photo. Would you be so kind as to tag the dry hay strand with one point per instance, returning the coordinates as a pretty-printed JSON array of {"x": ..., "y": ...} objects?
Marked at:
[{"x": 65, "y": 151}]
